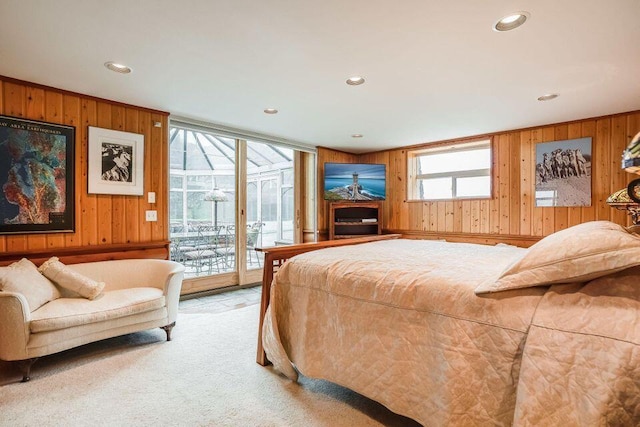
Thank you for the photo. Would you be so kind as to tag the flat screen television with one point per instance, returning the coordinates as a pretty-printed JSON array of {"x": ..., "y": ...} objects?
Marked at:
[{"x": 354, "y": 181}]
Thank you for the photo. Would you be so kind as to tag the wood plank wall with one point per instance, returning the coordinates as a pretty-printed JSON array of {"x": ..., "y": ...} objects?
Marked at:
[
  {"x": 105, "y": 221},
  {"x": 510, "y": 215}
]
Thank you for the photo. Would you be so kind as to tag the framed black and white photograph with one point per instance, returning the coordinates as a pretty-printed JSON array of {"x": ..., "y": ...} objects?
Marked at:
[
  {"x": 116, "y": 162},
  {"x": 563, "y": 173},
  {"x": 36, "y": 176}
]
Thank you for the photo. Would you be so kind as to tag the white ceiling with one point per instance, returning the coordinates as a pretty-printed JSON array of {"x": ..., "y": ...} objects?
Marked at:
[{"x": 434, "y": 69}]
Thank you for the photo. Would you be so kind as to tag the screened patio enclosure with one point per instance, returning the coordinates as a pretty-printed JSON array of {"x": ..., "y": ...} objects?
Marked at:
[{"x": 203, "y": 176}]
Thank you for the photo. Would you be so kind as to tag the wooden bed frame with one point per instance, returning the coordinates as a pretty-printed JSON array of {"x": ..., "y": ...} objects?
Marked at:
[{"x": 275, "y": 257}]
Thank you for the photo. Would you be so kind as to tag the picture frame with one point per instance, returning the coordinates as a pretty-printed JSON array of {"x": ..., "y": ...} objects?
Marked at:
[
  {"x": 563, "y": 173},
  {"x": 37, "y": 174},
  {"x": 116, "y": 162}
]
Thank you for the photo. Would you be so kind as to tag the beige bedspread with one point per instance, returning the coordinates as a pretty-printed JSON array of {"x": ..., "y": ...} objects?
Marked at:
[{"x": 398, "y": 321}]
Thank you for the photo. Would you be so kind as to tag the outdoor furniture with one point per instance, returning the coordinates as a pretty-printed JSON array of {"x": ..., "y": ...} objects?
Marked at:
[
  {"x": 253, "y": 233},
  {"x": 206, "y": 252}
]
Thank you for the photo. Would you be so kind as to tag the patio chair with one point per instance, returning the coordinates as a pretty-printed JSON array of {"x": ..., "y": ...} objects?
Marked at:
[
  {"x": 253, "y": 233},
  {"x": 207, "y": 249}
]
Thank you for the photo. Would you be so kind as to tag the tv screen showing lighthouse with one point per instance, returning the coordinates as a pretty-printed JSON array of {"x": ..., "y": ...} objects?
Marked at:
[{"x": 354, "y": 181}]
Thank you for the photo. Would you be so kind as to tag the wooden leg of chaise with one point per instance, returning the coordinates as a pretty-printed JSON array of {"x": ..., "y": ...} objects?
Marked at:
[
  {"x": 168, "y": 329},
  {"x": 25, "y": 367}
]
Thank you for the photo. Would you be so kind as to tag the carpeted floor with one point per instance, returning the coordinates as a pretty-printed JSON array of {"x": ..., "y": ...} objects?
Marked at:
[{"x": 206, "y": 376}]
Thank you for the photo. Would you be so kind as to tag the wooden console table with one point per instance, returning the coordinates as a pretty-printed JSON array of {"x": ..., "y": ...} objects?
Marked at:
[{"x": 275, "y": 257}]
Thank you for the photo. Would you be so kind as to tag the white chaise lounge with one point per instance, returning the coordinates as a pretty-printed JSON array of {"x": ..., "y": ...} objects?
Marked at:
[{"x": 139, "y": 294}]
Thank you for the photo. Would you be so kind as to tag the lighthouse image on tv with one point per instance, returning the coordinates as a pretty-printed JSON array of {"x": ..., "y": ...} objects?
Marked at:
[{"x": 356, "y": 182}]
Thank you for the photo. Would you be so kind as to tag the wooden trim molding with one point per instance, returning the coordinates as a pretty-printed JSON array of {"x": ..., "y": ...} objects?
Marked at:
[
  {"x": 79, "y": 254},
  {"x": 480, "y": 238}
]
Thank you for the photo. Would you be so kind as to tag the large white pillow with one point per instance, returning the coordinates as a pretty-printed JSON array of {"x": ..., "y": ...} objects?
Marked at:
[
  {"x": 70, "y": 279},
  {"x": 576, "y": 254},
  {"x": 23, "y": 277}
]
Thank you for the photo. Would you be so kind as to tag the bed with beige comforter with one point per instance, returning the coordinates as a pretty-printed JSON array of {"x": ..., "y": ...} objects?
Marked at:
[{"x": 405, "y": 323}]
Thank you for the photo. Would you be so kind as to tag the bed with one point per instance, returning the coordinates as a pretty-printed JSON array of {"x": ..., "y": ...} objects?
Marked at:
[{"x": 466, "y": 334}]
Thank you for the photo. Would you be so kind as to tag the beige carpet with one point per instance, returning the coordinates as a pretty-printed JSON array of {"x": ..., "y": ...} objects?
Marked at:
[{"x": 206, "y": 376}]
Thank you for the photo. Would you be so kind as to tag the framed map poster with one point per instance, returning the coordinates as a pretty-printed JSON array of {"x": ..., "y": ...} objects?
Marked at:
[{"x": 36, "y": 176}]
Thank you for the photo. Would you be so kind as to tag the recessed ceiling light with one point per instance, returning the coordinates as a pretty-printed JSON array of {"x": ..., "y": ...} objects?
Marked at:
[
  {"x": 118, "y": 68},
  {"x": 548, "y": 97},
  {"x": 270, "y": 111},
  {"x": 356, "y": 135},
  {"x": 511, "y": 21},
  {"x": 355, "y": 80}
]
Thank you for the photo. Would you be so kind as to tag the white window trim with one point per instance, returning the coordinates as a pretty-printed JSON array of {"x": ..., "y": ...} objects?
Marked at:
[{"x": 413, "y": 177}]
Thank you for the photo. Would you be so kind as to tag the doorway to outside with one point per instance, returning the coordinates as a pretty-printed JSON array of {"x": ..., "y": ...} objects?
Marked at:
[{"x": 206, "y": 188}]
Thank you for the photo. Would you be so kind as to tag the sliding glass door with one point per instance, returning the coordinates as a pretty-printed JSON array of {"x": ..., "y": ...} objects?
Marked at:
[{"x": 220, "y": 212}]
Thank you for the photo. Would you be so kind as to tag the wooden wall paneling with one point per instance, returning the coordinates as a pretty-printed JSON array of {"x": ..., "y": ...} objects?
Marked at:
[
  {"x": 618, "y": 178},
  {"x": 465, "y": 216},
  {"x": 485, "y": 216},
  {"x": 144, "y": 127},
  {"x": 548, "y": 218},
  {"x": 54, "y": 113},
  {"x": 537, "y": 218},
  {"x": 475, "y": 217},
  {"x": 503, "y": 184},
  {"x": 160, "y": 175},
  {"x": 589, "y": 129},
  {"x": 603, "y": 172},
  {"x": 89, "y": 206},
  {"x": 100, "y": 227},
  {"x": 574, "y": 216},
  {"x": 15, "y": 106},
  {"x": 492, "y": 206},
  {"x": 441, "y": 217},
  {"x": 72, "y": 116},
  {"x": 527, "y": 181},
  {"x": 433, "y": 216},
  {"x": 35, "y": 110},
  {"x": 561, "y": 213},
  {"x": 133, "y": 219},
  {"x": 448, "y": 219},
  {"x": 398, "y": 218},
  {"x": 118, "y": 204},
  {"x": 514, "y": 183},
  {"x": 416, "y": 216}
]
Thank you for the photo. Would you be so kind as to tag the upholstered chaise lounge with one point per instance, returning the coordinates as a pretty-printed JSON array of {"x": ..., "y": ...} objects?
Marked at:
[{"x": 138, "y": 294}]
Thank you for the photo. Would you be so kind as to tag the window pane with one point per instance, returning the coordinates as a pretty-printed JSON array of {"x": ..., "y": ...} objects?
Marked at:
[
  {"x": 269, "y": 200},
  {"x": 436, "y": 188},
  {"x": 476, "y": 186},
  {"x": 287, "y": 214},
  {"x": 175, "y": 206},
  {"x": 287, "y": 177},
  {"x": 176, "y": 182},
  {"x": 200, "y": 182},
  {"x": 252, "y": 202},
  {"x": 456, "y": 161},
  {"x": 197, "y": 208}
]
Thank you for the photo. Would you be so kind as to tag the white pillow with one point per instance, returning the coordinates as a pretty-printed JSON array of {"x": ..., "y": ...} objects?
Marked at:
[
  {"x": 576, "y": 254},
  {"x": 23, "y": 277},
  {"x": 70, "y": 279}
]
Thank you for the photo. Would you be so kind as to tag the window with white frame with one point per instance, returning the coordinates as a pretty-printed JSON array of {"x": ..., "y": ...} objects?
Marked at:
[{"x": 457, "y": 171}]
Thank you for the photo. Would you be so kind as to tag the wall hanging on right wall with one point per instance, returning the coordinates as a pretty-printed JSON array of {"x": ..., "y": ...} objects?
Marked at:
[{"x": 563, "y": 173}]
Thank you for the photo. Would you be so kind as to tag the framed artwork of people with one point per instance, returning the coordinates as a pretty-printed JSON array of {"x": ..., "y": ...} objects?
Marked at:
[{"x": 116, "y": 162}]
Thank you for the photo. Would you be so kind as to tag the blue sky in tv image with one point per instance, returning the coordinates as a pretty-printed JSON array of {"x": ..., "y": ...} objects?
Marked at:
[{"x": 371, "y": 180}]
